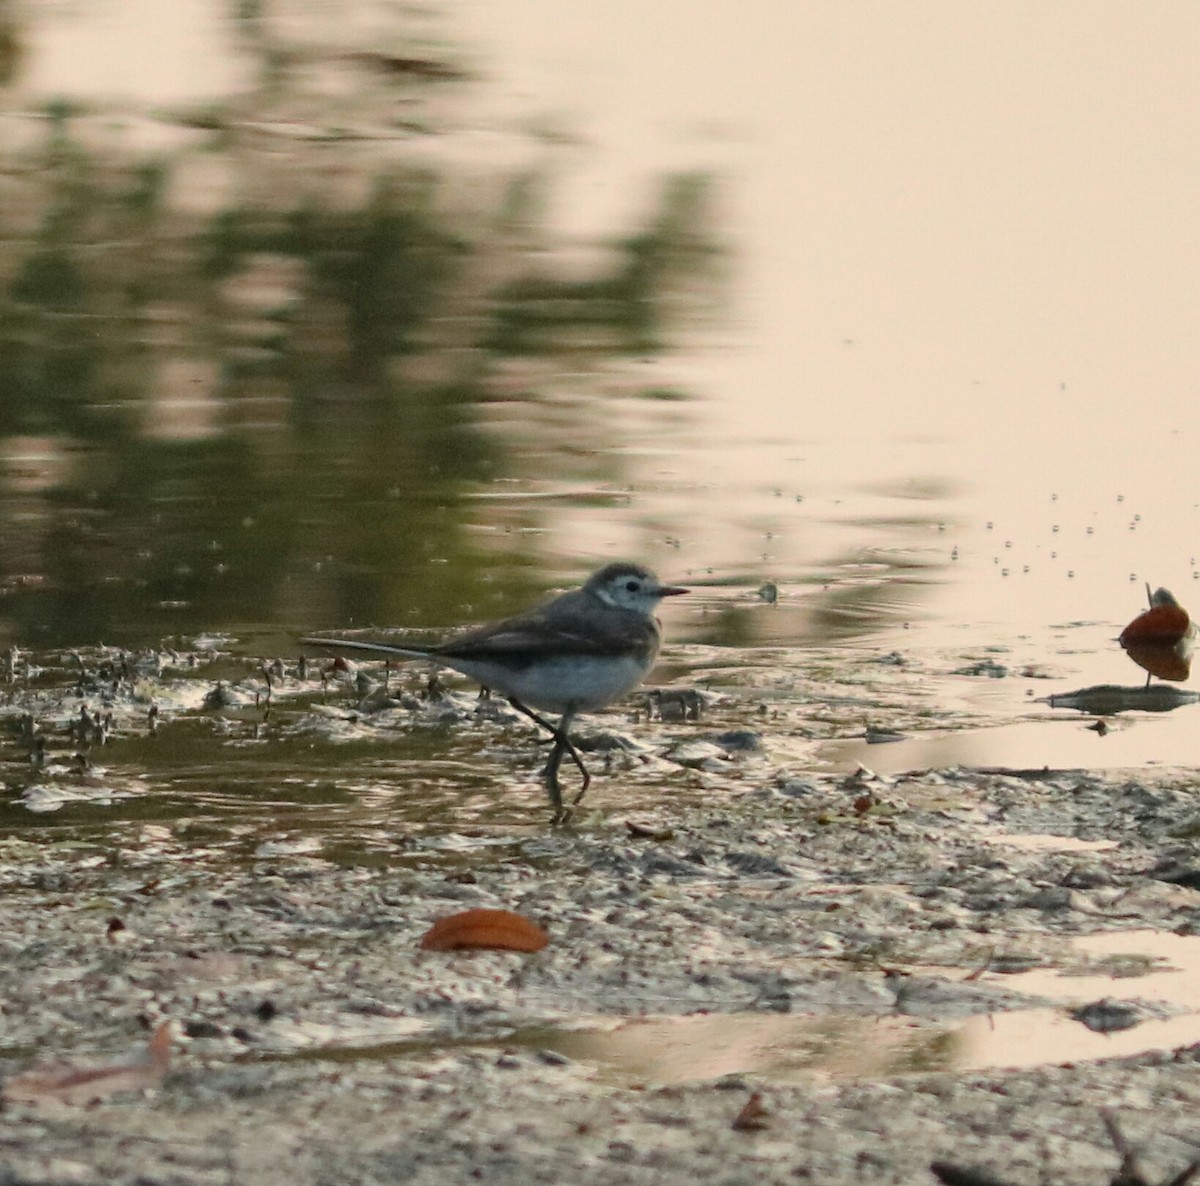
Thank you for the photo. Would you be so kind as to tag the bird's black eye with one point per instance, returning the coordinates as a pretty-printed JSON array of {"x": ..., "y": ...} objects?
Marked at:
[{"x": 632, "y": 586}]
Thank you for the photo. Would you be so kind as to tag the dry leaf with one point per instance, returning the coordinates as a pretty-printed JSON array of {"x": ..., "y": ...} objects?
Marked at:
[
  {"x": 644, "y": 832},
  {"x": 983, "y": 967},
  {"x": 497, "y": 929},
  {"x": 70, "y": 1083},
  {"x": 753, "y": 1115}
]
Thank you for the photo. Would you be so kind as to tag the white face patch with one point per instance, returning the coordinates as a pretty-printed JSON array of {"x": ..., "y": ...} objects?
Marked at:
[{"x": 642, "y": 596}]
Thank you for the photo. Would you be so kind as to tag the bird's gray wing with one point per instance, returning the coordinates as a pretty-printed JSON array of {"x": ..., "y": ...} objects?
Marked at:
[
  {"x": 532, "y": 636},
  {"x": 571, "y": 624}
]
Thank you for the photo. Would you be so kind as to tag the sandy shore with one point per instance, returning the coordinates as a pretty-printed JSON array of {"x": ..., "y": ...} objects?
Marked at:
[{"x": 825, "y": 942}]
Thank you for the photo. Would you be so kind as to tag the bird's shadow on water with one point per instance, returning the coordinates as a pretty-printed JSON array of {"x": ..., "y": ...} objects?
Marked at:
[{"x": 1108, "y": 699}]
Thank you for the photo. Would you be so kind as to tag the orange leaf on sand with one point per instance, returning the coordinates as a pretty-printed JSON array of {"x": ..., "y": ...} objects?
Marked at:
[
  {"x": 500, "y": 930},
  {"x": 70, "y": 1083}
]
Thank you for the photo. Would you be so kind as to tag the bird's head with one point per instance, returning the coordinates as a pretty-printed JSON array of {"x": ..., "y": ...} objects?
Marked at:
[{"x": 630, "y": 586}]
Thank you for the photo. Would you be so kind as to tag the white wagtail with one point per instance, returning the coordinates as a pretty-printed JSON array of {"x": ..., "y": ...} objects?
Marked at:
[{"x": 576, "y": 653}]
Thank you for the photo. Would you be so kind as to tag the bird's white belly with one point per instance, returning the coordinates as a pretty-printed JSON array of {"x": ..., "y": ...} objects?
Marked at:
[{"x": 571, "y": 682}]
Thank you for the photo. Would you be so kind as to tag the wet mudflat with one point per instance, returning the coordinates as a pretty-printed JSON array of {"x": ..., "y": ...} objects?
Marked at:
[
  {"x": 898, "y": 964},
  {"x": 349, "y": 325}
]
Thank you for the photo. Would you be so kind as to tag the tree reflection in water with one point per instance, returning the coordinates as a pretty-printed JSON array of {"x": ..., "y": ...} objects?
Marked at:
[{"x": 254, "y": 377}]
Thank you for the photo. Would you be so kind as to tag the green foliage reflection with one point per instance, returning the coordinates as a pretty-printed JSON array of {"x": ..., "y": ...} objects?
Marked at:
[{"x": 269, "y": 410}]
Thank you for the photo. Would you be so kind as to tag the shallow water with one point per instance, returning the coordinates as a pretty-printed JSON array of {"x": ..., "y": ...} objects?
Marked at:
[
  {"x": 258, "y": 476},
  {"x": 969, "y": 512},
  {"x": 1151, "y": 970}
]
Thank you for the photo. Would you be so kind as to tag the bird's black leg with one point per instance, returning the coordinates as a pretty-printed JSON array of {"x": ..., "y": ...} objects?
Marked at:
[
  {"x": 550, "y": 774},
  {"x": 562, "y": 745},
  {"x": 564, "y": 726}
]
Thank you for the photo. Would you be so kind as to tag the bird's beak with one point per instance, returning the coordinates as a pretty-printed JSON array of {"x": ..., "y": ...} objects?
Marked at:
[{"x": 671, "y": 590}]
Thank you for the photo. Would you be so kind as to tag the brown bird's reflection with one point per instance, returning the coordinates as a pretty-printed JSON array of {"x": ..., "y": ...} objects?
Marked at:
[{"x": 1166, "y": 662}]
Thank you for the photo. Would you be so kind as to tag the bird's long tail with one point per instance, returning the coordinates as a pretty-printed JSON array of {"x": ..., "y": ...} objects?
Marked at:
[{"x": 374, "y": 648}]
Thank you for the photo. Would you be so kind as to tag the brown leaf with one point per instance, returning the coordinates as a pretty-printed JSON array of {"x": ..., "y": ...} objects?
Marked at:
[
  {"x": 753, "y": 1116},
  {"x": 500, "y": 930},
  {"x": 70, "y": 1083}
]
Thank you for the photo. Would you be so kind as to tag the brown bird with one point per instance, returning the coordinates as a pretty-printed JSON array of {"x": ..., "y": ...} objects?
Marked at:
[{"x": 1161, "y": 639}]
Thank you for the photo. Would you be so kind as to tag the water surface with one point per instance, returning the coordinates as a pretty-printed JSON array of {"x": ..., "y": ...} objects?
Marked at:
[{"x": 846, "y": 319}]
